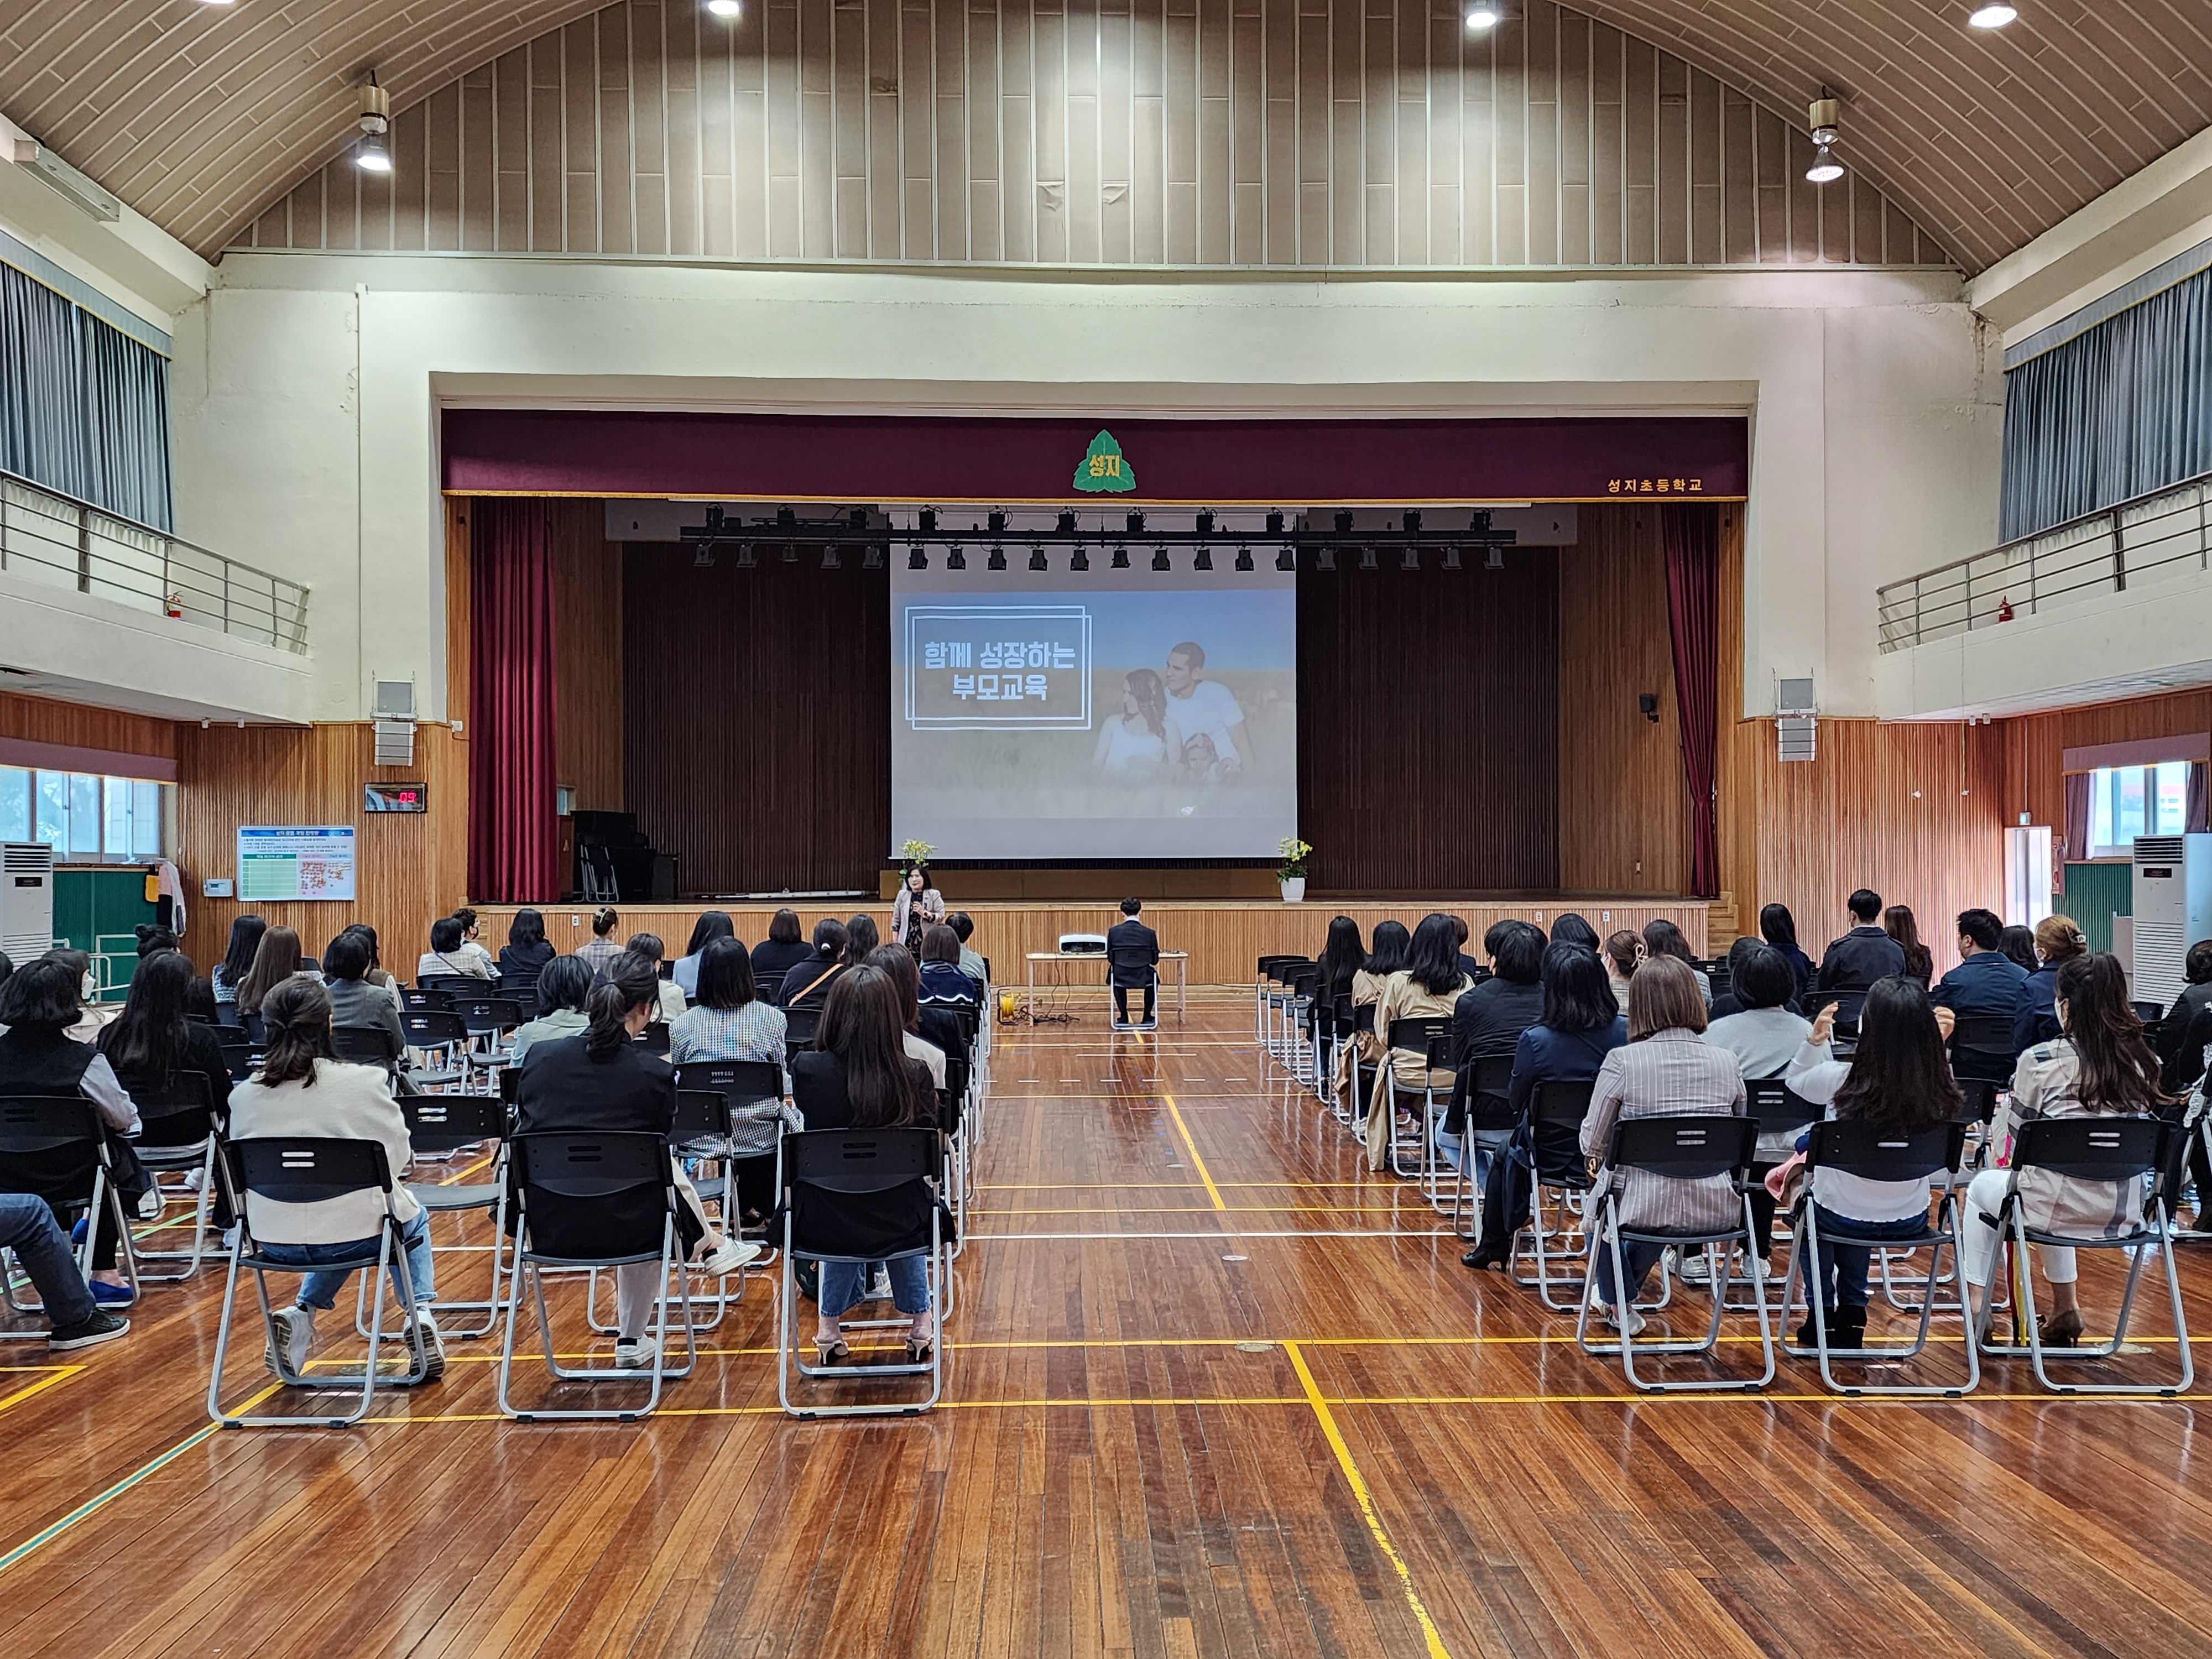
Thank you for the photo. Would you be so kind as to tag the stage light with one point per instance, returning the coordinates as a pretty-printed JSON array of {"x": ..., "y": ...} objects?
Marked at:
[
  {"x": 1136, "y": 524},
  {"x": 786, "y": 519},
  {"x": 1482, "y": 17},
  {"x": 702, "y": 556},
  {"x": 856, "y": 519},
  {"x": 1451, "y": 558},
  {"x": 1991, "y": 17},
  {"x": 1286, "y": 560},
  {"x": 1825, "y": 168},
  {"x": 1327, "y": 560},
  {"x": 872, "y": 556},
  {"x": 1037, "y": 558},
  {"x": 956, "y": 560},
  {"x": 1411, "y": 562},
  {"x": 998, "y": 559},
  {"x": 1823, "y": 117},
  {"x": 1243, "y": 557},
  {"x": 1493, "y": 557},
  {"x": 1275, "y": 523},
  {"x": 746, "y": 556},
  {"x": 1343, "y": 521},
  {"x": 373, "y": 117},
  {"x": 1159, "y": 558},
  {"x": 916, "y": 559},
  {"x": 1080, "y": 563},
  {"x": 1413, "y": 522},
  {"x": 1367, "y": 558},
  {"x": 928, "y": 521},
  {"x": 1120, "y": 557},
  {"x": 791, "y": 553},
  {"x": 1066, "y": 522},
  {"x": 1205, "y": 522},
  {"x": 729, "y": 10},
  {"x": 1204, "y": 560},
  {"x": 998, "y": 522},
  {"x": 831, "y": 559}
]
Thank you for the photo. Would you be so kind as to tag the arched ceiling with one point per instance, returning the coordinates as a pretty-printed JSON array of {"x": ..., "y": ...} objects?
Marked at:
[{"x": 200, "y": 116}]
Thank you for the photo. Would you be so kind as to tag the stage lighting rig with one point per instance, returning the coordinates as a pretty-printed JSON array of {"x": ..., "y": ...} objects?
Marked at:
[
  {"x": 746, "y": 556},
  {"x": 1081, "y": 563},
  {"x": 998, "y": 522},
  {"x": 1160, "y": 557},
  {"x": 916, "y": 559},
  {"x": 1275, "y": 522},
  {"x": 1120, "y": 557},
  {"x": 928, "y": 521},
  {"x": 1136, "y": 524},
  {"x": 1204, "y": 560},
  {"x": 1410, "y": 561},
  {"x": 1286, "y": 560},
  {"x": 998, "y": 559},
  {"x": 1205, "y": 522},
  {"x": 1244, "y": 557},
  {"x": 955, "y": 559},
  {"x": 1066, "y": 521},
  {"x": 1367, "y": 558},
  {"x": 1036, "y": 556},
  {"x": 831, "y": 559}
]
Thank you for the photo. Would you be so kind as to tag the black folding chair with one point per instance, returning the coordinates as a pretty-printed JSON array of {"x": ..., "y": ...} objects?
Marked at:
[
  {"x": 798, "y": 1025},
  {"x": 1483, "y": 1089},
  {"x": 2128, "y": 1152},
  {"x": 288, "y": 1170},
  {"x": 1686, "y": 1148},
  {"x": 1560, "y": 1171},
  {"x": 240, "y": 1052},
  {"x": 455, "y": 986},
  {"x": 55, "y": 1146},
  {"x": 1852, "y": 1148},
  {"x": 439, "y": 1036},
  {"x": 751, "y": 1137},
  {"x": 177, "y": 1132},
  {"x": 418, "y": 999},
  {"x": 1981, "y": 1049},
  {"x": 849, "y": 1164},
  {"x": 654, "y": 1039},
  {"x": 490, "y": 1022},
  {"x": 437, "y": 1128},
  {"x": 559, "y": 1185},
  {"x": 1427, "y": 1038},
  {"x": 522, "y": 991}
]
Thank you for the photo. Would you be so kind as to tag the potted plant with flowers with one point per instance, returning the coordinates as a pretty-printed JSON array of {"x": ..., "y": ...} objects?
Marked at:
[{"x": 1291, "y": 873}]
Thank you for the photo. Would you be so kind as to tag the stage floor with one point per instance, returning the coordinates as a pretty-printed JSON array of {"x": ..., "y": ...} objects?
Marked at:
[
  {"x": 1213, "y": 1389},
  {"x": 1225, "y": 937}
]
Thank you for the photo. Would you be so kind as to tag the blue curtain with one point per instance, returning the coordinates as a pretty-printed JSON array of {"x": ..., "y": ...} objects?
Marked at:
[
  {"x": 84, "y": 409},
  {"x": 2121, "y": 410}
]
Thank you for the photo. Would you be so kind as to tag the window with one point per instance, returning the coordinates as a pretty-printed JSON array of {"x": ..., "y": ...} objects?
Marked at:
[
  {"x": 85, "y": 817},
  {"x": 2127, "y": 801}
]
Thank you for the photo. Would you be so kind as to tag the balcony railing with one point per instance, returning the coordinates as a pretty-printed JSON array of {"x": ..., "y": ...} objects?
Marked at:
[
  {"x": 51, "y": 537},
  {"x": 2150, "y": 538}
]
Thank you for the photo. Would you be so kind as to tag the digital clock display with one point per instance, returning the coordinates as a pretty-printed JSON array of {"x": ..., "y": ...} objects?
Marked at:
[{"x": 394, "y": 798}]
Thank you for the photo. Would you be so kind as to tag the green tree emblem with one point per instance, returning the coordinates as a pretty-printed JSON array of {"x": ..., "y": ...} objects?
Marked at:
[{"x": 1104, "y": 469}]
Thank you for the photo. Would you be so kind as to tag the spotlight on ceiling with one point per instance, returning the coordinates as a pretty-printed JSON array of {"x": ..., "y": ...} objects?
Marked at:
[
  {"x": 1159, "y": 558},
  {"x": 928, "y": 521},
  {"x": 1204, "y": 560},
  {"x": 1205, "y": 522},
  {"x": 1136, "y": 522},
  {"x": 1367, "y": 558},
  {"x": 729, "y": 10},
  {"x": 1325, "y": 559},
  {"x": 956, "y": 560},
  {"x": 1275, "y": 523},
  {"x": 1066, "y": 522},
  {"x": 916, "y": 559},
  {"x": 1120, "y": 557},
  {"x": 1343, "y": 521},
  {"x": 830, "y": 558},
  {"x": 1825, "y": 168},
  {"x": 1451, "y": 558},
  {"x": 1411, "y": 562},
  {"x": 1243, "y": 557},
  {"x": 373, "y": 153},
  {"x": 872, "y": 556},
  {"x": 1286, "y": 560},
  {"x": 1079, "y": 562},
  {"x": 1482, "y": 16},
  {"x": 746, "y": 556},
  {"x": 1037, "y": 558},
  {"x": 998, "y": 559},
  {"x": 1991, "y": 17},
  {"x": 997, "y": 521}
]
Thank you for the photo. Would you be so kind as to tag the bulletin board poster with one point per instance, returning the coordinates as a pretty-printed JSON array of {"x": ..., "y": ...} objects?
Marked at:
[{"x": 296, "y": 861}]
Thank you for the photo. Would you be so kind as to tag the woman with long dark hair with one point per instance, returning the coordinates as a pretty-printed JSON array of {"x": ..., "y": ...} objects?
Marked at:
[
  {"x": 1779, "y": 929},
  {"x": 527, "y": 950},
  {"x": 237, "y": 962},
  {"x": 1662, "y": 938},
  {"x": 941, "y": 978},
  {"x": 784, "y": 949},
  {"x": 276, "y": 959},
  {"x": 2100, "y": 1065},
  {"x": 858, "y": 1076},
  {"x": 2058, "y": 940},
  {"x": 1342, "y": 955},
  {"x": 932, "y": 1035},
  {"x": 808, "y": 983},
  {"x": 711, "y": 926},
  {"x": 1898, "y": 923},
  {"x": 860, "y": 937},
  {"x": 1898, "y": 1082},
  {"x": 153, "y": 1041},
  {"x": 2018, "y": 944},
  {"x": 1428, "y": 986},
  {"x": 1385, "y": 957},
  {"x": 304, "y": 1090},
  {"x": 605, "y": 1080}
]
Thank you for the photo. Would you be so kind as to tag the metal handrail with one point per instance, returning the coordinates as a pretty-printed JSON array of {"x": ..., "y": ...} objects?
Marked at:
[
  {"x": 2158, "y": 532},
  {"x": 72, "y": 542}
]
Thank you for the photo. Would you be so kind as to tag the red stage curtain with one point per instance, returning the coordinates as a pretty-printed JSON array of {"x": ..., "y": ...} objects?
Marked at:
[
  {"x": 1692, "y": 536},
  {"x": 514, "y": 835}
]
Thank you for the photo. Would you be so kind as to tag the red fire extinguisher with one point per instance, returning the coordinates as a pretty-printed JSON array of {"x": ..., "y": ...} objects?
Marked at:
[{"x": 175, "y": 604}]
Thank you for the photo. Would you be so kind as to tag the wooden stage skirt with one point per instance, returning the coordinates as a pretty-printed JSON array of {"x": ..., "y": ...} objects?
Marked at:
[{"x": 1226, "y": 938}]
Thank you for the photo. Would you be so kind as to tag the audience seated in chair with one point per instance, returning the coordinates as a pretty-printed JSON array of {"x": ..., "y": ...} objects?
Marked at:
[
  {"x": 1623, "y": 951},
  {"x": 1897, "y": 1081},
  {"x": 1571, "y": 927},
  {"x": 39, "y": 1006},
  {"x": 1778, "y": 928},
  {"x": 1664, "y": 1069},
  {"x": 1133, "y": 961},
  {"x": 807, "y": 983},
  {"x": 932, "y": 1035},
  {"x": 27, "y": 1227},
  {"x": 1858, "y": 959},
  {"x": 941, "y": 978},
  {"x": 377, "y": 974},
  {"x": 471, "y": 948},
  {"x": 971, "y": 962},
  {"x": 671, "y": 1001},
  {"x": 784, "y": 949},
  {"x": 89, "y": 1017},
  {"x": 153, "y": 1042},
  {"x": 237, "y": 962},
  {"x": 527, "y": 950},
  {"x": 357, "y": 1006},
  {"x": 603, "y": 1080},
  {"x": 1729, "y": 1003},
  {"x": 1662, "y": 938},
  {"x": 1392, "y": 945},
  {"x": 446, "y": 959},
  {"x": 711, "y": 926},
  {"x": 2058, "y": 940},
  {"x": 728, "y": 1021},
  {"x": 1429, "y": 987},
  {"x": 1487, "y": 1025},
  {"x": 564, "y": 990},
  {"x": 153, "y": 939},
  {"x": 303, "y": 1089},
  {"x": 859, "y": 1076},
  {"x": 602, "y": 947},
  {"x": 1764, "y": 1036},
  {"x": 1579, "y": 1023},
  {"x": 2100, "y": 1065},
  {"x": 1899, "y": 923}
]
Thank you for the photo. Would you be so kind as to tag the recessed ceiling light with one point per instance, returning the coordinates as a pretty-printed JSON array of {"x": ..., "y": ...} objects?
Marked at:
[
  {"x": 215, "y": 2},
  {"x": 1992, "y": 17},
  {"x": 724, "y": 7},
  {"x": 1481, "y": 17}
]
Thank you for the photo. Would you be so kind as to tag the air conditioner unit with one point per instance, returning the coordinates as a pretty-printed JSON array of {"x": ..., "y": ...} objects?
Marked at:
[
  {"x": 1795, "y": 736},
  {"x": 26, "y": 899},
  {"x": 2173, "y": 911}
]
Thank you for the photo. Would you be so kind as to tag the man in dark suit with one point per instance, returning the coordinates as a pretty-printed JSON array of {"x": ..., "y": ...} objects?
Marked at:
[
  {"x": 1854, "y": 962},
  {"x": 1133, "y": 959}
]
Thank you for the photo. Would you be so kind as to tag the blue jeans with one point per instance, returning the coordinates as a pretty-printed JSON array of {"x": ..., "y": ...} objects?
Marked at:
[
  {"x": 1641, "y": 1259},
  {"x": 1843, "y": 1267},
  {"x": 321, "y": 1289},
  {"x": 27, "y": 1227},
  {"x": 843, "y": 1281}
]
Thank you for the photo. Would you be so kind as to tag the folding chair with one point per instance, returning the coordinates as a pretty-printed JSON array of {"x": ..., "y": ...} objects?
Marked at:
[
  {"x": 1770, "y": 1103},
  {"x": 1981, "y": 1049},
  {"x": 437, "y": 1034},
  {"x": 437, "y": 1128},
  {"x": 364, "y": 1045},
  {"x": 742, "y": 1086},
  {"x": 178, "y": 1133},
  {"x": 798, "y": 1025},
  {"x": 699, "y": 1132},
  {"x": 455, "y": 986},
  {"x": 1418, "y": 1036},
  {"x": 490, "y": 1022},
  {"x": 1485, "y": 1090},
  {"x": 821, "y": 1167},
  {"x": 654, "y": 1039},
  {"x": 1263, "y": 975},
  {"x": 559, "y": 1185},
  {"x": 1854, "y": 1149},
  {"x": 1149, "y": 990},
  {"x": 1684, "y": 1147},
  {"x": 285, "y": 1169},
  {"x": 522, "y": 991},
  {"x": 1559, "y": 1170},
  {"x": 1363, "y": 1087},
  {"x": 420, "y": 1000},
  {"x": 2099, "y": 1149},
  {"x": 55, "y": 1146},
  {"x": 239, "y": 1053}
]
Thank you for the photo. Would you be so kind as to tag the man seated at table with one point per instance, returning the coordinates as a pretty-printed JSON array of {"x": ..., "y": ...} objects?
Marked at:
[{"x": 1133, "y": 959}]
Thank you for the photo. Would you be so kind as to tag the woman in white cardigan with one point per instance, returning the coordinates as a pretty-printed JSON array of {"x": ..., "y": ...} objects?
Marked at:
[{"x": 303, "y": 1089}]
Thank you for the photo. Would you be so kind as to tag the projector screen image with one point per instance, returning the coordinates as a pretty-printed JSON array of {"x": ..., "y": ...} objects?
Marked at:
[{"x": 1116, "y": 713}]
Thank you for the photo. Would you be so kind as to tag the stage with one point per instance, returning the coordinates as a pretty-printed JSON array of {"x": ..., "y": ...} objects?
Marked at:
[{"x": 1225, "y": 938}]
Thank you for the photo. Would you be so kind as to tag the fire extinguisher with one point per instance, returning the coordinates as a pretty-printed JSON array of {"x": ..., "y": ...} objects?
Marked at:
[{"x": 175, "y": 604}]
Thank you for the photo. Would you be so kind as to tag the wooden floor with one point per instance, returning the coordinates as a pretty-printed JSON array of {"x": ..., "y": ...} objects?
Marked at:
[{"x": 1212, "y": 1390}]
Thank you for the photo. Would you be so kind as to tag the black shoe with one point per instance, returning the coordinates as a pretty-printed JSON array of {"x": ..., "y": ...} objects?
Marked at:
[
  {"x": 89, "y": 1332},
  {"x": 1482, "y": 1259},
  {"x": 1847, "y": 1329},
  {"x": 1808, "y": 1335}
]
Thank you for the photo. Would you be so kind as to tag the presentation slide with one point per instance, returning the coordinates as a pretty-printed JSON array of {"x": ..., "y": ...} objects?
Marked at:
[
  {"x": 296, "y": 861},
  {"x": 1110, "y": 714}
]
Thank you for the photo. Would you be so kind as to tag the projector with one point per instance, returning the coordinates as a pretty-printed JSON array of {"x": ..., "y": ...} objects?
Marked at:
[{"x": 1083, "y": 945}]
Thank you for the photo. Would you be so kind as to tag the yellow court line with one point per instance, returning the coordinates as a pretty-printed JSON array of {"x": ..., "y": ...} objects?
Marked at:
[
  {"x": 1366, "y": 1502},
  {"x": 1413, "y": 1207},
  {"x": 55, "y": 1373},
  {"x": 1191, "y": 1146},
  {"x": 1168, "y": 1186}
]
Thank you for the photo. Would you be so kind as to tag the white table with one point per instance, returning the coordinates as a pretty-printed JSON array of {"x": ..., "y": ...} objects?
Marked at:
[{"x": 1180, "y": 959}]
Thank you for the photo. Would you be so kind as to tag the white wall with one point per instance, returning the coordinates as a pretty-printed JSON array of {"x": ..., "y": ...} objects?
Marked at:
[{"x": 1876, "y": 411}]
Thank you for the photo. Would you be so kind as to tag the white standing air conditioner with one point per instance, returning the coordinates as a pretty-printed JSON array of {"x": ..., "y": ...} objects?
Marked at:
[
  {"x": 2173, "y": 911},
  {"x": 26, "y": 899}
]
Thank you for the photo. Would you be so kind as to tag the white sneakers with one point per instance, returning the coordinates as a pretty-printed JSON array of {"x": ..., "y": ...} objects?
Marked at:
[
  {"x": 728, "y": 1256},
  {"x": 1616, "y": 1316},
  {"x": 426, "y": 1348},
  {"x": 635, "y": 1353},
  {"x": 293, "y": 1334}
]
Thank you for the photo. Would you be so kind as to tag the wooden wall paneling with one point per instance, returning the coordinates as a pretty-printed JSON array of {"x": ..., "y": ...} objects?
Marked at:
[
  {"x": 1624, "y": 824},
  {"x": 1269, "y": 132},
  {"x": 756, "y": 741},
  {"x": 588, "y": 648},
  {"x": 1428, "y": 756},
  {"x": 79, "y": 726}
]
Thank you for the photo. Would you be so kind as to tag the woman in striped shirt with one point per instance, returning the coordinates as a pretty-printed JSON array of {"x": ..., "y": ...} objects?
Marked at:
[{"x": 730, "y": 1021}]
